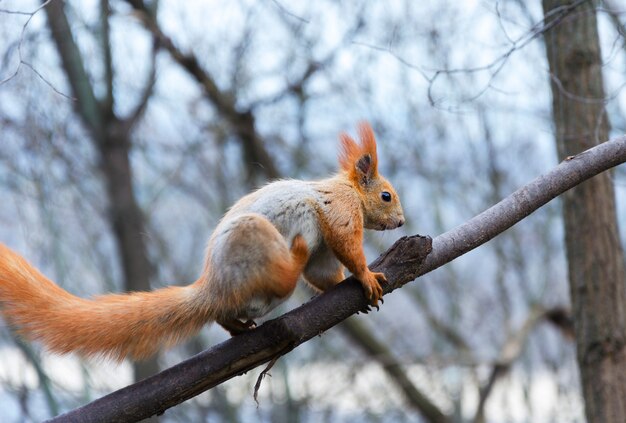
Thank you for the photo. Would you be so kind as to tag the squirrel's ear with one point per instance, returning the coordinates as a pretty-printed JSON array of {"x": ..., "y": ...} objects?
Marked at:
[{"x": 364, "y": 169}]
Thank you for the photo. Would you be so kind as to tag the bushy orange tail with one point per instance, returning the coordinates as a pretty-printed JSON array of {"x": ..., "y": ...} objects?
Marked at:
[{"x": 113, "y": 325}]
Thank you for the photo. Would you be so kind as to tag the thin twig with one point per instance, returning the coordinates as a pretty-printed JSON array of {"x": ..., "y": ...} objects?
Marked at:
[
  {"x": 495, "y": 66},
  {"x": 284, "y": 10},
  {"x": 264, "y": 373},
  {"x": 19, "y": 48}
]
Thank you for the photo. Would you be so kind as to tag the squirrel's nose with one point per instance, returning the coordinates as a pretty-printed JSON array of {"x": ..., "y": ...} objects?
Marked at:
[{"x": 400, "y": 222}]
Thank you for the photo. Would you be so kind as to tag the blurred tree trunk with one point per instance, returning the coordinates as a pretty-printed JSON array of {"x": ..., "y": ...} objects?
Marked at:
[
  {"x": 595, "y": 257},
  {"x": 112, "y": 138}
]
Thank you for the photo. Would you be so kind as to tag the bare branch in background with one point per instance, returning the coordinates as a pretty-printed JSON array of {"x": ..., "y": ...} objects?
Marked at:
[
  {"x": 44, "y": 380},
  {"x": 146, "y": 93},
  {"x": 242, "y": 122},
  {"x": 286, "y": 12},
  {"x": 494, "y": 67},
  {"x": 513, "y": 347},
  {"x": 87, "y": 105},
  {"x": 614, "y": 13},
  {"x": 385, "y": 357},
  {"x": 107, "y": 59},
  {"x": 22, "y": 62}
]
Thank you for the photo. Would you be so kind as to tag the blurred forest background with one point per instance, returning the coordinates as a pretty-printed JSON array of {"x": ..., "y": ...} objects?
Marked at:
[{"x": 128, "y": 127}]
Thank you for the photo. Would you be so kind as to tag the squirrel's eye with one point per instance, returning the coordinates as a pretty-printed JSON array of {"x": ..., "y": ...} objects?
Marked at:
[{"x": 385, "y": 196}]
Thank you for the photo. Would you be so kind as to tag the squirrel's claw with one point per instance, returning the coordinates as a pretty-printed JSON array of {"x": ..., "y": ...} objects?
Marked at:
[{"x": 373, "y": 290}]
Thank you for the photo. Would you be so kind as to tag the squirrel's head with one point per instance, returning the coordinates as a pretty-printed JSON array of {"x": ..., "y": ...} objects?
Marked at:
[{"x": 381, "y": 205}]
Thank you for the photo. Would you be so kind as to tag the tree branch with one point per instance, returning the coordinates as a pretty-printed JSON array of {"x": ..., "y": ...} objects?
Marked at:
[
  {"x": 510, "y": 352},
  {"x": 107, "y": 57},
  {"x": 87, "y": 105},
  {"x": 513, "y": 347},
  {"x": 384, "y": 355},
  {"x": 242, "y": 121},
  {"x": 146, "y": 93},
  {"x": 495, "y": 220},
  {"x": 408, "y": 258}
]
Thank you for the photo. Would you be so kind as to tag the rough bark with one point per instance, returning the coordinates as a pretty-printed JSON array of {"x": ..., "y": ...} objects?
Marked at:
[
  {"x": 401, "y": 264},
  {"x": 594, "y": 253}
]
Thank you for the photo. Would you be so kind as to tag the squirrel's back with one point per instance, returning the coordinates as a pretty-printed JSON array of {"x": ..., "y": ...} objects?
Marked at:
[
  {"x": 290, "y": 205},
  {"x": 298, "y": 207}
]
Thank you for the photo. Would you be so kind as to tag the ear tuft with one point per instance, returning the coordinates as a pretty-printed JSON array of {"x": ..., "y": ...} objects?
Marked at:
[
  {"x": 361, "y": 157},
  {"x": 368, "y": 143},
  {"x": 349, "y": 152}
]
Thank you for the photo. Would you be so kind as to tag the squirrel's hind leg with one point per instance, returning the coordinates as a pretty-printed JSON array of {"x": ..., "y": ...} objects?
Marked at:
[{"x": 257, "y": 268}]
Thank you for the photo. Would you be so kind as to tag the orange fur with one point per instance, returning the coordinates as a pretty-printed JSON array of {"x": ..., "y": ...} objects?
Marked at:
[
  {"x": 288, "y": 269},
  {"x": 343, "y": 231},
  {"x": 282, "y": 274},
  {"x": 114, "y": 325},
  {"x": 327, "y": 281}
]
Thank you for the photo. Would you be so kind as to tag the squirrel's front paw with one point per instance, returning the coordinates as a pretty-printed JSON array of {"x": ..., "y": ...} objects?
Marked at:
[{"x": 371, "y": 285}]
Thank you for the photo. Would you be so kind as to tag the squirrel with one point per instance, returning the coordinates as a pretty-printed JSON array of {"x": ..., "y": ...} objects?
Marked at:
[{"x": 255, "y": 256}]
